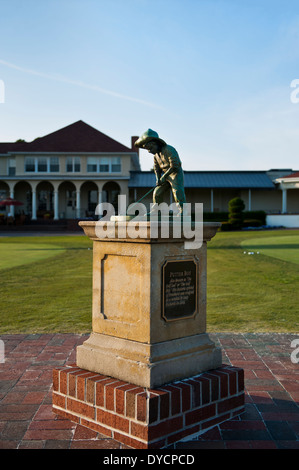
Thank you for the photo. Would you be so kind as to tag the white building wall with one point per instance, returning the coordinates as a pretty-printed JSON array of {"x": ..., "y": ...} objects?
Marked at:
[{"x": 283, "y": 220}]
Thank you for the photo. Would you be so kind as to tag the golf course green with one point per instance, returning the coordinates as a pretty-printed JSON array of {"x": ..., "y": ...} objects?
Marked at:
[{"x": 284, "y": 247}]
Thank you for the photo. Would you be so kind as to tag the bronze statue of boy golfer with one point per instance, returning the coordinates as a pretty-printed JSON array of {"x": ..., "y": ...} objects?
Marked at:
[{"x": 167, "y": 168}]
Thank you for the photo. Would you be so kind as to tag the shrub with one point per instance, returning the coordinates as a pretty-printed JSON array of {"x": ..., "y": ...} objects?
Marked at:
[
  {"x": 215, "y": 216},
  {"x": 257, "y": 215},
  {"x": 236, "y": 207}
]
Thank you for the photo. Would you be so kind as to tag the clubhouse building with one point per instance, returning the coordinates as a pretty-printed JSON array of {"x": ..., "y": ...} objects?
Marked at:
[{"x": 65, "y": 174}]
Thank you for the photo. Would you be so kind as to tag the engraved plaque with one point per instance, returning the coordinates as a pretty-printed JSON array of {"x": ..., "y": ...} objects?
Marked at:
[{"x": 179, "y": 289}]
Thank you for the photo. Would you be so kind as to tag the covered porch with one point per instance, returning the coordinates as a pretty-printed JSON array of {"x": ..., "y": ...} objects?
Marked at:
[
  {"x": 289, "y": 215},
  {"x": 289, "y": 186},
  {"x": 59, "y": 199}
]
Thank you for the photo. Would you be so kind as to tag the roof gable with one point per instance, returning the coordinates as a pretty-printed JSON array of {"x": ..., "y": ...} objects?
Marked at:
[{"x": 77, "y": 137}]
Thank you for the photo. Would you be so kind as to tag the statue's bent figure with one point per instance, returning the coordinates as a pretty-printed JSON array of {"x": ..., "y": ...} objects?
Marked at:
[{"x": 167, "y": 168}]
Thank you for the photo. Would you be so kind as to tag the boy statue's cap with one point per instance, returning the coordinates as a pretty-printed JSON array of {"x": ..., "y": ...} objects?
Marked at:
[{"x": 146, "y": 137}]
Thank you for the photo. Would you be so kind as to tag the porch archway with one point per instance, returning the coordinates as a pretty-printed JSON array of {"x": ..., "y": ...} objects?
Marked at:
[
  {"x": 67, "y": 200},
  {"x": 45, "y": 200},
  {"x": 111, "y": 191}
]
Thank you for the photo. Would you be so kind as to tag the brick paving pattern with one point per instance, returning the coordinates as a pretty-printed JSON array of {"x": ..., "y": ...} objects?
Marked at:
[{"x": 270, "y": 421}]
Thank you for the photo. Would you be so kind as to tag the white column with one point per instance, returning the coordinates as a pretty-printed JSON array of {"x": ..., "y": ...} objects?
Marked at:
[
  {"x": 12, "y": 208},
  {"x": 212, "y": 200},
  {"x": 249, "y": 199},
  {"x": 284, "y": 201},
  {"x": 56, "y": 216},
  {"x": 100, "y": 200},
  {"x": 78, "y": 200},
  {"x": 33, "y": 204}
]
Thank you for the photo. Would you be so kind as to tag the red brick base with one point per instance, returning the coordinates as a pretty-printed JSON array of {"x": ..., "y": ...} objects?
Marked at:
[{"x": 146, "y": 418}]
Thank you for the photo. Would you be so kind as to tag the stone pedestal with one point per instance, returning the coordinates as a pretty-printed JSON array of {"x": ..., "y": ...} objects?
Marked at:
[
  {"x": 148, "y": 336},
  {"x": 149, "y": 308}
]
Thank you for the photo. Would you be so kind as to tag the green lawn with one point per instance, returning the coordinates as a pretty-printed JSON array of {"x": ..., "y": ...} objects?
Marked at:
[
  {"x": 46, "y": 283},
  {"x": 257, "y": 292},
  {"x": 48, "y": 287},
  {"x": 17, "y": 254}
]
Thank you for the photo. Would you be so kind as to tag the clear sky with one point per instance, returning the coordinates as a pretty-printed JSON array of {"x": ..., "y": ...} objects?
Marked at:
[{"x": 212, "y": 77}]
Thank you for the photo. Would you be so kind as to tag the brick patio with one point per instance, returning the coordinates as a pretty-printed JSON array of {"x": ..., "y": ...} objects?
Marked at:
[{"x": 270, "y": 421}]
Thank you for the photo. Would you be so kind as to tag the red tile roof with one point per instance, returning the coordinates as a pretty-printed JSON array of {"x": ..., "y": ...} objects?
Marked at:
[{"x": 77, "y": 137}]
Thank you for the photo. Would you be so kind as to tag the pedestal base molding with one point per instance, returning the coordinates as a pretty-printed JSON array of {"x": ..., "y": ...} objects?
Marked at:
[{"x": 148, "y": 365}]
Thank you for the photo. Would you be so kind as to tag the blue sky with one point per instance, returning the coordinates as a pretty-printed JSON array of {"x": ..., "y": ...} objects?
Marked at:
[{"x": 212, "y": 77}]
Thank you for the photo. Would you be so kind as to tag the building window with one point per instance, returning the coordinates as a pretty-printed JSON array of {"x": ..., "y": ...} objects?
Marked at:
[
  {"x": 77, "y": 164},
  {"x": 42, "y": 164},
  {"x": 104, "y": 165},
  {"x": 54, "y": 164},
  {"x": 69, "y": 164},
  {"x": 73, "y": 164},
  {"x": 115, "y": 165},
  {"x": 29, "y": 164},
  {"x": 11, "y": 166},
  {"x": 92, "y": 164}
]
